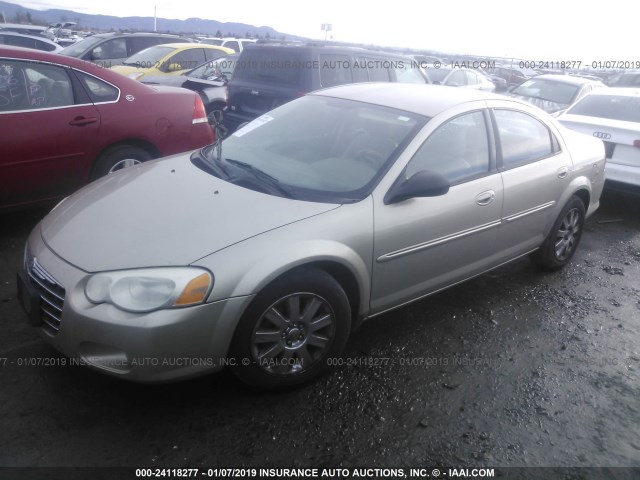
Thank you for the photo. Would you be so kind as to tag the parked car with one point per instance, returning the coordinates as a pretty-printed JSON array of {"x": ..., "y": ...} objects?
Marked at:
[
  {"x": 28, "y": 41},
  {"x": 499, "y": 82},
  {"x": 65, "y": 122},
  {"x": 460, "y": 77},
  {"x": 513, "y": 75},
  {"x": 270, "y": 75},
  {"x": 235, "y": 44},
  {"x": 613, "y": 116},
  {"x": 555, "y": 93},
  {"x": 208, "y": 79},
  {"x": 169, "y": 59},
  {"x": 329, "y": 210},
  {"x": 110, "y": 49}
]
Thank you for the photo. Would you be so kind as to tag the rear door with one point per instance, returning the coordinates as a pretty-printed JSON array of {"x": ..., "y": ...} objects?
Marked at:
[
  {"x": 49, "y": 132},
  {"x": 535, "y": 173}
]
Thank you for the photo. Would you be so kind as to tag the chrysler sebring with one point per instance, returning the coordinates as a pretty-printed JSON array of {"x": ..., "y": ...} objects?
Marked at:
[{"x": 262, "y": 252}]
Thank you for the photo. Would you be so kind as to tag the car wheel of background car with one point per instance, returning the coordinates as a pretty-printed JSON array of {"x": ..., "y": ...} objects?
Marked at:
[
  {"x": 564, "y": 237},
  {"x": 291, "y": 330},
  {"x": 117, "y": 158}
]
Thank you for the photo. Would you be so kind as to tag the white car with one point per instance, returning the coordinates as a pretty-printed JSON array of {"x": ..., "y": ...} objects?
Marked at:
[{"x": 613, "y": 116}]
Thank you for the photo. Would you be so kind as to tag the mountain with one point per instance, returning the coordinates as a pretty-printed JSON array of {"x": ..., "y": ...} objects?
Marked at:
[{"x": 13, "y": 12}]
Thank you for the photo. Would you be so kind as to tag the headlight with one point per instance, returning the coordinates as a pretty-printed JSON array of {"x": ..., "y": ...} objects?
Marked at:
[
  {"x": 150, "y": 289},
  {"x": 135, "y": 75}
]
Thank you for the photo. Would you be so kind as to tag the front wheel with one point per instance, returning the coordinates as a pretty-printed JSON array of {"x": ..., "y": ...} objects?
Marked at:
[
  {"x": 117, "y": 158},
  {"x": 292, "y": 330},
  {"x": 564, "y": 238}
]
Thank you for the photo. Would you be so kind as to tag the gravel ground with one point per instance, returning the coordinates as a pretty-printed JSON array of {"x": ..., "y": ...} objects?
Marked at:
[{"x": 516, "y": 368}]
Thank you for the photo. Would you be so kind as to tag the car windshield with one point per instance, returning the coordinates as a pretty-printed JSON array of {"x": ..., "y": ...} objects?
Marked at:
[
  {"x": 78, "y": 48},
  {"x": 614, "y": 107},
  {"x": 149, "y": 57},
  {"x": 315, "y": 148},
  {"x": 549, "y": 90}
]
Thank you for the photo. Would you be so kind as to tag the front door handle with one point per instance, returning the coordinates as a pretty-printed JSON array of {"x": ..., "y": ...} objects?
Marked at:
[
  {"x": 485, "y": 198},
  {"x": 82, "y": 121}
]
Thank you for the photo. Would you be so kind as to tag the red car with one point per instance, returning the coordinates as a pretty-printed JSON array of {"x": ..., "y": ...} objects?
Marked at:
[{"x": 65, "y": 122}]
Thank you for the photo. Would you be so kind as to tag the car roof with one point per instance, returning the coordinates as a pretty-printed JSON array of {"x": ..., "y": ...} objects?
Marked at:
[
  {"x": 136, "y": 34},
  {"x": 565, "y": 78},
  {"x": 319, "y": 47},
  {"x": 423, "y": 99}
]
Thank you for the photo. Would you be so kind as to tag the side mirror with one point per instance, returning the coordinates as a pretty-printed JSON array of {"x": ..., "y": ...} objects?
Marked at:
[
  {"x": 425, "y": 183},
  {"x": 174, "y": 67}
]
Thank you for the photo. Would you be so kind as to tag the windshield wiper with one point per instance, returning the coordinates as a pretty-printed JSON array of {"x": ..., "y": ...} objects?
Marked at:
[{"x": 261, "y": 175}]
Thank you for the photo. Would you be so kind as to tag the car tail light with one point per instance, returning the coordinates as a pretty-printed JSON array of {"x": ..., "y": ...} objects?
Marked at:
[
  {"x": 636, "y": 143},
  {"x": 199, "y": 112}
]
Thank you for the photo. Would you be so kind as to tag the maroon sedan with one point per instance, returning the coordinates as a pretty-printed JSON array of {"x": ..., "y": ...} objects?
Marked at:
[{"x": 65, "y": 122}]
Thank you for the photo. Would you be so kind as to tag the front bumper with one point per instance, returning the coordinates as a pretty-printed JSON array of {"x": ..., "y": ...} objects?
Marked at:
[{"x": 160, "y": 346}]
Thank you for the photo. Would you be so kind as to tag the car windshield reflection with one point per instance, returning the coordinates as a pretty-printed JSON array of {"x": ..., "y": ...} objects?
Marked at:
[{"x": 321, "y": 148}]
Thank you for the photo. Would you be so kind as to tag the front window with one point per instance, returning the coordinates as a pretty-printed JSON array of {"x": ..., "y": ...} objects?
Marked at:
[
  {"x": 458, "y": 150},
  {"x": 315, "y": 148},
  {"x": 548, "y": 90}
]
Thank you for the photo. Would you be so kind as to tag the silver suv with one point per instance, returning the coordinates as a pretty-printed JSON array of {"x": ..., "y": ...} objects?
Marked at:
[{"x": 109, "y": 49}]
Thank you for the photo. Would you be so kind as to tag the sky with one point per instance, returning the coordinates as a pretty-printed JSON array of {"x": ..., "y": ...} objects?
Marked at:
[{"x": 540, "y": 30}]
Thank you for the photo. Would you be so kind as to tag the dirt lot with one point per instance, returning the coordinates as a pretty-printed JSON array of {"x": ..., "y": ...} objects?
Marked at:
[{"x": 516, "y": 368}]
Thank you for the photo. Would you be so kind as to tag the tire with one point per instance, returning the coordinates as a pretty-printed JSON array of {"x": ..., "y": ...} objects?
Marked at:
[
  {"x": 564, "y": 237},
  {"x": 117, "y": 158},
  {"x": 291, "y": 331}
]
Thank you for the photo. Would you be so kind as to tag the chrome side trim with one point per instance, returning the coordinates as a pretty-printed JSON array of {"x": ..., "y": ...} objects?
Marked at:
[
  {"x": 516, "y": 216},
  {"x": 438, "y": 241}
]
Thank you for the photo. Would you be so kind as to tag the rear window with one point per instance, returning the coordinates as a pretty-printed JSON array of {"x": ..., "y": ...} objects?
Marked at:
[
  {"x": 614, "y": 107},
  {"x": 282, "y": 67}
]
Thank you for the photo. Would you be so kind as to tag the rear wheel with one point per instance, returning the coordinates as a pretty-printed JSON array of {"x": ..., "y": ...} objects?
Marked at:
[
  {"x": 564, "y": 238},
  {"x": 292, "y": 330},
  {"x": 117, "y": 158}
]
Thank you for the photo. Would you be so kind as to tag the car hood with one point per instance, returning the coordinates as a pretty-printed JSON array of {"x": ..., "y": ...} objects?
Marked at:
[
  {"x": 546, "y": 105},
  {"x": 163, "y": 213}
]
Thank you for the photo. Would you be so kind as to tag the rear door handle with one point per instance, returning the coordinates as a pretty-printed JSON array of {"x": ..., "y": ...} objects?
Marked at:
[
  {"x": 563, "y": 172},
  {"x": 485, "y": 198},
  {"x": 82, "y": 121}
]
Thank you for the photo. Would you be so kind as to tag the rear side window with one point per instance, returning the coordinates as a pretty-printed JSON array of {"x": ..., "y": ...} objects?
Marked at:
[
  {"x": 99, "y": 91},
  {"x": 335, "y": 70},
  {"x": 376, "y": 69},
  {"x": 264, "y": 65},
  {"x": 31, "y": 86},
  {"x": 140, "y": 43},
  {"x": 523, "y": 139}
]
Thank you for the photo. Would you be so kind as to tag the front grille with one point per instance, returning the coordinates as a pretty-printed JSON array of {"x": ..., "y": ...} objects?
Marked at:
[
  {"x": 609, "y": 147},
  {"x": 51, "y": 295}
]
